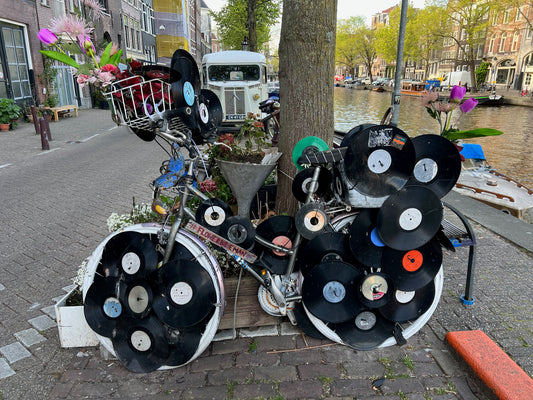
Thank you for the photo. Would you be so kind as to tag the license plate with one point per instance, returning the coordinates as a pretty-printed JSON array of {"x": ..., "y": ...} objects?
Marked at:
[{"x": 233, "y": 117}]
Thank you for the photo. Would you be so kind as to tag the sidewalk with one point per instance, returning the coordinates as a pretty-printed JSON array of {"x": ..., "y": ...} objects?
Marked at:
[{"x": 54, "y": 207}]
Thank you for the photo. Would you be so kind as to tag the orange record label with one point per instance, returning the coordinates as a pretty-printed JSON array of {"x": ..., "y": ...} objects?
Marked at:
[
  {"x": 283, "y": 241},
  {"x": 412, "y": 260}
]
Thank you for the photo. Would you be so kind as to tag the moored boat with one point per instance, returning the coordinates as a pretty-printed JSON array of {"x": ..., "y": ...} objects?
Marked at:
[
  {"x": 413, "y": 88},
  {"x": 492, "y": 99}
]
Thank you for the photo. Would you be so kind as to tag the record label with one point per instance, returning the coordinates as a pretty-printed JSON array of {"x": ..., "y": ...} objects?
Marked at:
[
  {"x": 204, "y": 113},
  {"x": 365, "y": 320},
  {"x": 112, "y": 307},
  {"x": 138, "y": 299},
  {"x": 188, "y": 93},
  {"x": 410, "y": 219},
  {"x": 425, "y": 170},
  {"x": 131, "y": 263},
  {"x": 375, "y": 239},
  {"x": 334, "y": 292},
  {"x": 404, "y": 297},
  {"x": 412, "y": 260},
  {"x": 283, "y": 241},
  {"x": 181, "y": 293},
  {"x": 214, "y": 215},
  {"x": 140, "y": 340},
  {"x": 379, "y": 161},
  {"x": 374, "y": 287}
]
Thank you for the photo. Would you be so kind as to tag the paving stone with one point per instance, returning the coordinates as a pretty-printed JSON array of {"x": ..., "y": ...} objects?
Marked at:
[
  {"x": 50, "y": 311},
  {"x": 14, "y": 352},
  {"x": 42, "y": 322},
  {"x": 280, "y": 373},
  {"x": 5, "y": 369},
  {"x": 301, "y": 389},
  {"x": 29, "y": 337},
  {"x": 260, "y": 331},
  {"x": 207, "y": 393},
  {"x": 252, "y": 391}
]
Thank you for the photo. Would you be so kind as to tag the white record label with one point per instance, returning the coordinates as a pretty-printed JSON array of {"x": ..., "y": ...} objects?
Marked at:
[
  {"x": 334, "y": 292},
  {"x": 425, "y": 170},
  {"x": 131, "y": 263},
  {"x": 214, "y": 215},
  {"x": 379, "y": 161},
  {"x": 181, "y": 293},
  {"x": 404, "y": 297},
  {"x": 140, "y": 340},
  {"x": 204, "y": 113},
  {"x": 410, "y": 219},
  {"x": 138, "y": 299}
]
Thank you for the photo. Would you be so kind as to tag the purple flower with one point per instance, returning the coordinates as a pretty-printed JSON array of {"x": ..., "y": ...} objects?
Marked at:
[
  {"x": 457, "y": 94},
  {"x": 468, "y": 105},
  {"x": 47, "y": 37},
  {"x": 86, "y": 45}
]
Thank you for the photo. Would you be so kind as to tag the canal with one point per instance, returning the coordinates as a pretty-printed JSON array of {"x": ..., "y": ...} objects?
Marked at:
[{"x": 510, "y": 153}]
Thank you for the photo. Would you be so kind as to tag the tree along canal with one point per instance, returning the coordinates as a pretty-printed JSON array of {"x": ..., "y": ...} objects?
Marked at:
[{"x": 510, "y": 153}]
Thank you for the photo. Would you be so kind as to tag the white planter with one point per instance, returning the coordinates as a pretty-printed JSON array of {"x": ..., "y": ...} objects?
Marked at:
[{"x": 72, "y": 326}]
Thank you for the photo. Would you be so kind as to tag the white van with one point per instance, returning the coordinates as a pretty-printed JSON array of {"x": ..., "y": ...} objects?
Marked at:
[
  {"x": 456, "y": 78},
  {"x": 239, "y": 79}
]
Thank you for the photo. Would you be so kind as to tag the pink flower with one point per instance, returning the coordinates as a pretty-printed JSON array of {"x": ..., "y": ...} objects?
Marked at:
[
  {"x": 468, "y": 105},
  {"x": 82, "y": 79},
  {"x": 429, "y": 98},
  {"x": 86, "y": 45},
  {"x": 444, "y": 107},
  {"x": 72, "y": 25},
  {"x": 105, "y": 78},
  {"x": 47, "y": 37},
  {"x": 457, "y": 94},
  {"x": 110, "y": 68},
  {"x": 95, "y": 8}
]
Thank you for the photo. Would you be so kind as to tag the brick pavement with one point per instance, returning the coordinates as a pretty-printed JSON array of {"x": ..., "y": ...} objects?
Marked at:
[{"x": 54, "y": 210}]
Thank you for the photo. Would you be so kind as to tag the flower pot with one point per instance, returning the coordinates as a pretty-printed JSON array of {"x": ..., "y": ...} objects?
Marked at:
[
  {"x": 4, "y": 127},
  {"x": 71, "y": 324}
]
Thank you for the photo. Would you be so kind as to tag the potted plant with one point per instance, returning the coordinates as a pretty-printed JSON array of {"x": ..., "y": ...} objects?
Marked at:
[{"x": 9, "y": 111}]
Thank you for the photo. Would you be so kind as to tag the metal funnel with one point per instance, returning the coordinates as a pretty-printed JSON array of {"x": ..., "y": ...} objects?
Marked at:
[{"x": 245, "y": 180}]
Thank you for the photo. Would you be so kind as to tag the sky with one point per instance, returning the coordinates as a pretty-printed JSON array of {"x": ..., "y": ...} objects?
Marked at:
[{"x": 345, "y": 8}]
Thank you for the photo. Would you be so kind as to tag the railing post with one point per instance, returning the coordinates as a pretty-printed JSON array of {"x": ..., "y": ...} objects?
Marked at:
[{"x": 43, "y": 124}]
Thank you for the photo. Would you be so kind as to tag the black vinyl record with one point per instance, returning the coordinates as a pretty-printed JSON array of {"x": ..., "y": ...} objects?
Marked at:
[
  {"x": 281, "y": 230},
  {"x": 186, "y": 294},
  {"x": 407, "y": 306},
  {"x": 365, "y": 243},
  {"x": 182, "y": 345},
  {"x": 415, "y": 268},
  {"x": 102, "y": 306},
  {"x": 238, "y": 230},
  {"x": 379, "y": 160},
  {"x": 329, "y": 291},
  {"x": 212, "y": 213},
  {"x": 366, "y": 331},
  {"x": 352, "y": 132},
  {"x": 329, "y": 246},
  {"x": 305, "y": 323},
  {"x": 375, "y": 290},
  {"x": 136, "y": 297},
  {"x": 302, "y": 184},
  {"x": 409, "y": 218},
  {"x": 437, "y": 165},
  {"x": 130, "y": 255},
  {"x": 311, "y": 220},
  {"x": 141, "y": 344}
]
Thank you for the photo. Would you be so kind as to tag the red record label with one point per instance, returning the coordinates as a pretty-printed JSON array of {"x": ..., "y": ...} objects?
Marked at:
[
  {"x": 283, "y": 241},
  {"x": 412, "y": 260}
]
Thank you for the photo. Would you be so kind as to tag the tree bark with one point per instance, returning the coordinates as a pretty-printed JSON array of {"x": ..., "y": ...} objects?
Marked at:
[
  {"x": 251, "y": 24},
  {"x": 307, "y": 66}
]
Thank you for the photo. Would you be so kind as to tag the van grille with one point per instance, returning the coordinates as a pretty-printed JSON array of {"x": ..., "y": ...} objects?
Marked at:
[{"x": 234, "y": 100}]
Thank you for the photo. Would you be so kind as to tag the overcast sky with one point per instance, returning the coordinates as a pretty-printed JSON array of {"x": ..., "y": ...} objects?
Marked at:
[{"x": 345, "y": 8}]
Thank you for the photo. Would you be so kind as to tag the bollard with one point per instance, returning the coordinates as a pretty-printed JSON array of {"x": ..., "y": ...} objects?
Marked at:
[
  {"x": 47, "y": 128},
  {"x": 35, "y": 120},
  {"x": 44, "y": 135}
]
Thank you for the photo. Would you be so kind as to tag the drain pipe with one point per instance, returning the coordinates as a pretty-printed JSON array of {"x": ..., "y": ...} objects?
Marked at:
[{"x": 395, "y": 100}]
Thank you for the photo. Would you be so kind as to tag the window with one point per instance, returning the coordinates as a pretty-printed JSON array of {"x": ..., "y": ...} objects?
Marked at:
[
  {"x": 138, "y": 36},
  {"x": 502, "y": 42},
  {"x": 514, "y": 46},
  {"x": 506, "y": 15},
  {"x": 127, "y": 31},
  {"x": 491, "y": 43},
  {"x": 519, "y": 12},
  {"x": 221, "y": 73},
  {"x": 527, "y": 81},
  {"x": 495, "y": 18}
]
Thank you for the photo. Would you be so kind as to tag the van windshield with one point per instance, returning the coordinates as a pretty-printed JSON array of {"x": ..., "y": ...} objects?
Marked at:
[{"x": 234, "y": 73}]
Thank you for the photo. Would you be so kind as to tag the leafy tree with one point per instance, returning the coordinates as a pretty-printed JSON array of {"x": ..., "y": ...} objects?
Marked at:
[
  {"x": 345, "y": 50},
  {"x": 250, "y": 19},
  {"x": 481, "y": 72},
  {"x": 365, "y": 47},
  {"x": 307, "y": 65}
]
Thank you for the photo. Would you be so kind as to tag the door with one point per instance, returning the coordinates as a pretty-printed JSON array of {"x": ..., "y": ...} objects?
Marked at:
[
  {"x": 14, "y": 75},
  {"x": 64, "y": 85}
]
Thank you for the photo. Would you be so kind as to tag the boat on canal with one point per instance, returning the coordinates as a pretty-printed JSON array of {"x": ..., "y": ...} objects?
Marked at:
[
  {"x": 481, "y": 182},
  {"x": 492, "y": 99},
  {"x": 413, "y": 88}
]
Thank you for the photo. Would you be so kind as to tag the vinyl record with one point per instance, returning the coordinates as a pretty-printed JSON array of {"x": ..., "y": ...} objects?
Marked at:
[
  {"x": 102, "y": 306},
  {"x": 189, "y": 86},
  {"x": 365, "y": 243},
  {"x": 379, "y": 160},
  {"x": 367, "y": 330},
  {"x": 130, "y": 255},
  {"x": 182, "y": 345},
  {"x": 311, "y": 220},
  {"x": 409, "y": 305},
  {"x": 281, "y": 230},
  {"x": 375, "y": 290},
  {"x": 309, "y": 144},
  {"x": 328, "y": 246},
  {"x": 302, "y": 184},
  {"x": 213, "y": 105},
  {"x": 136, "y": 297},
  {"x": 413, "y": 269},
  {"x": 305, "y": 323},
  {"x": 437, "y": 165},
  {"x": 212, "y": 213},
  {"x": 329, "y": 291},
  {"x": 140, "y": 344},
  {"x": 409, "y": 218},
  {"x": 186, "y": 294},
  {"x": 238, "y": 230},
  {"x": 352, "y": 132}
]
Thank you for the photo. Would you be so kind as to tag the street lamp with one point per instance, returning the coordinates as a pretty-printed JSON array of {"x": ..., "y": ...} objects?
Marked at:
[{"x": 244, "y": 44}]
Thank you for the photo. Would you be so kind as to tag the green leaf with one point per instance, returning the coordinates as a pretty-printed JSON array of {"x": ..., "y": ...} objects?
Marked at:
[
  {"x": 480, "y": 132},
  {"x": 115, "y": 58},
  {"x": 106, "y": 55},
  {"x": 60, "y": 57}
]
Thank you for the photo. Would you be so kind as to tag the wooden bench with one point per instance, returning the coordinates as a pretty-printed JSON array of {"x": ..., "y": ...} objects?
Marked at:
[{"x": 63, "y": 109}]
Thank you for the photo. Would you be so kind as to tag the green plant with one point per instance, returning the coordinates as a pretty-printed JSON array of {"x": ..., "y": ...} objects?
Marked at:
[
  {"x": 9, "y": 111},
  {"x": 52, "y": 100}
]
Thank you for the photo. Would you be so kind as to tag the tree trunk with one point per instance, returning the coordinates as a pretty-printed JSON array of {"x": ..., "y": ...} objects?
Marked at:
[
  {"x": 307, "y": 66},
  {"x": 251, "y": 24}
]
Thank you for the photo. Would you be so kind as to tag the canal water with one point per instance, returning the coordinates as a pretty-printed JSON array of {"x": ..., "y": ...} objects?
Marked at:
[{"x": 510, "y": 153}]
